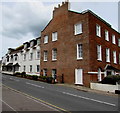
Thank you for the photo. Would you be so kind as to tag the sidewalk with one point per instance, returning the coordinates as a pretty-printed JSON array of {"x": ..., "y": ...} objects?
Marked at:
[{"x": 86, "y": 89}]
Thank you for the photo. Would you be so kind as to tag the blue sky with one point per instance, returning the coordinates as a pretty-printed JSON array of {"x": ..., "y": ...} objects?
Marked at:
[{"x": 23, "y": 20}]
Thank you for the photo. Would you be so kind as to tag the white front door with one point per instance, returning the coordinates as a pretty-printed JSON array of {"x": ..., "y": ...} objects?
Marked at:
[{"x": 79, "y": 76}]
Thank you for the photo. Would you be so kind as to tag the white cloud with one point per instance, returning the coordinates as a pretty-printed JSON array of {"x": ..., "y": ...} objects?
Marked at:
[{"x": 24, "y": 19}]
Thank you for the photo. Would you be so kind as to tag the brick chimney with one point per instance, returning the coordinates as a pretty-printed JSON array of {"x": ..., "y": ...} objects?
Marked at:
[{"x": 61, "y": 9}]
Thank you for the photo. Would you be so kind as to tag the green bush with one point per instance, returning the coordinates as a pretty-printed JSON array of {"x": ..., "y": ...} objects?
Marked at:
[
  {"x": 49, "y": 79},
  {"x": 17, "y": 73},
  {"x": 111, "y": 79},
  {"x": 34, "y": 77},
  {"x": 23, "y": 74}
]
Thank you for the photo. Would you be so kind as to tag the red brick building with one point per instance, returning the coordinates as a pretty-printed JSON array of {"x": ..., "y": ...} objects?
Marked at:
[{"x": 81, "y": 47}]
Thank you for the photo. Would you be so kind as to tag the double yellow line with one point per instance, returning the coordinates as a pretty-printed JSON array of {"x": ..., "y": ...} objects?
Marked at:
[{"x": 42, "y": 101}]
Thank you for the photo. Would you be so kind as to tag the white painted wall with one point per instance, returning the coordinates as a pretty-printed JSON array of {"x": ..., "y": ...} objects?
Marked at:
[{"x": 104, "y": 87}]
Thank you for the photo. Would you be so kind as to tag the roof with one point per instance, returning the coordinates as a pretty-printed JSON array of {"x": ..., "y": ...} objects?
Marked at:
[{"x": 84, "y": 12}]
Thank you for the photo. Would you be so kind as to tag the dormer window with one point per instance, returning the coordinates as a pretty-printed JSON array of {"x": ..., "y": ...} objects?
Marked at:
[
  {"x": 32, "y": 43},
  {"x": 25, "y": 46},
  {"x": 38, "y": 41}
]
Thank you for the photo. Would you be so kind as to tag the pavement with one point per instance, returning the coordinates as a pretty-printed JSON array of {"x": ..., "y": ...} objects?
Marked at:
[
  {"x": 14, "y": 101},
  {"x": 86, "y": 89}
]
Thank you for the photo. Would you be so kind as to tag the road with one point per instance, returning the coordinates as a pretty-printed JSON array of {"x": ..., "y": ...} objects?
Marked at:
[{"x": 61, "y": 98}]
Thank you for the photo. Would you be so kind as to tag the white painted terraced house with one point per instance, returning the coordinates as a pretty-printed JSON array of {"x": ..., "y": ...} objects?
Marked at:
[{"x": 25, "y": 58}]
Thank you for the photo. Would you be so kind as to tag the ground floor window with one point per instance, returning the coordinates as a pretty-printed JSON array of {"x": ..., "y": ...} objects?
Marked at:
[
  {"x": 54, "y": 73},
  {"x": 24, "y": 68},
  {"x": 38, "y": 68},
  {"x": 99, "y": 75},
  {"x": 44, "y": 72},
  {"x": 30, "y": 68}
]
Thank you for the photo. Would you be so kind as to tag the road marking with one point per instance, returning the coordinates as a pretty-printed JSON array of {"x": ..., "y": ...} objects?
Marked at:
[
  {"x": 42, "y": 103},
  {"x": 54, "y": 106},
  {"x": 15, "y": 79},
  {"x": 34, "y": 85},
  {"x": 89, "y": 99},
  {"x": 8, "y": 106}
]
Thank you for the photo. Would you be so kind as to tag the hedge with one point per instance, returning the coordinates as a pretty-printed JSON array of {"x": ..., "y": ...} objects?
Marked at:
[{"x": 111, "y": 79}]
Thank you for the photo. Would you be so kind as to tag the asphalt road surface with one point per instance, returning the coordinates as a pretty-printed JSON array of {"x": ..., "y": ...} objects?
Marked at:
[{"x": 53, "y": 97}]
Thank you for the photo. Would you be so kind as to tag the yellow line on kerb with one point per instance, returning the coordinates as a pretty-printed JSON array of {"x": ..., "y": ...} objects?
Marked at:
[{"x": 61, "y": 109}]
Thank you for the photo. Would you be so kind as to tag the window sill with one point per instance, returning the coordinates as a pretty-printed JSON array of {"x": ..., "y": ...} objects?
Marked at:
[
  {"x": 77, "y": 34},
  {"x": 45, "y": 60},
  {"x": 80, "y": 58},
  {"x": 54, "y": 40},
  {"x": 53, "y": 60},
  {"x": 99, "y": 60}
]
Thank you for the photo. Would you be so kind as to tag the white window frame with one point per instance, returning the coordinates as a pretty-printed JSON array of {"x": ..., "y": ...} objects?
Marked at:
[
  {"x": 45, "y": 39},
  {"x": 79, "y": 51},
  {"x": 118, "y": 42},
  {"x": 38, "y": 41},
  {"x": 78, "y": 28},
  {"x": 113, "y": 39},
  {"x": 114, "y": 57},
  {"x": 106, "y": 35},
  {"x": 54, "y": 72},
  {"x": 99, "y": 52},
  {"x": 107, "y": 55},
  {"x": 98, "y": 30},
  {"x": 119, "y": 58},
  {"x": 45, "y": 55},
  {"x": 54, "y": 36},
  {"x": 44, "y": 72},
  {"x": 54, "y": 54}
]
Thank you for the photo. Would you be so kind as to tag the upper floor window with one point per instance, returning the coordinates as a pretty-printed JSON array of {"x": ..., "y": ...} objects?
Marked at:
[
  {"x": 54, "y": 54},
  {"x": 119, "y": 58},
  {"x": 15, "y": 58},
  {"x": 119, "y": 42},
  {"x": 79, "y": 51},
  {"x": 38, "y": 54},
  {"x": 114, "y": 57},
  {"x": 45, "y": 55},
  {"x": 99, "y": 52},
  {"x": 106, "y": 35},
  {"x": 31, "y": 56},
  {"x": 45, "y": 39},
  {"x": 98, "y": 30},
  {"x": 24, "y": 56},
  {"x": 38, "y": 41},
  {"x": 113, "y": 39},
  {"x": 78, "y": 28},
  {"x": 7, "y": 58},
  {"x": 107, "y": 55},
  {"x": 54, "y": 36}
]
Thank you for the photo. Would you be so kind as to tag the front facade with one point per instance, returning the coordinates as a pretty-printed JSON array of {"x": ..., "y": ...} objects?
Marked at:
[
  {"x": 79, "y": 48},
  {"x": 25, "y": 58}
]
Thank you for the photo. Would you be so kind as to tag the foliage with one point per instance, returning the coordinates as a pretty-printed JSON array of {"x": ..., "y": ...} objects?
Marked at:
[{"x": 111, "y": 79}]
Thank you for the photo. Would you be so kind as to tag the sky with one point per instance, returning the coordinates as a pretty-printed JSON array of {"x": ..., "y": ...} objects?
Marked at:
[{"x": 22, "y": 20}]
